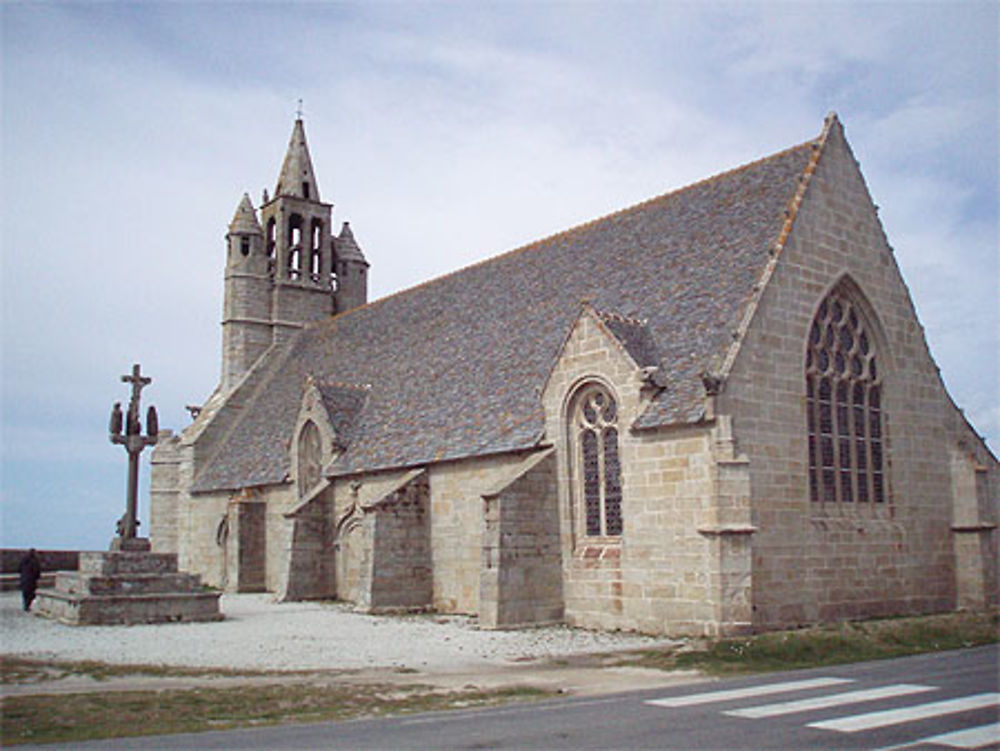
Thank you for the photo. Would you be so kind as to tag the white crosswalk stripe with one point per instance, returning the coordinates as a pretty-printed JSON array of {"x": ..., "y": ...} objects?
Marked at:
[
  {"x": 748, "y": 692},
  {"x": 966, "y": 738},
  {"x": 855, "y": 723},
  {"x": 969, "y": 737},
  {"x": 832, "y": 700}
]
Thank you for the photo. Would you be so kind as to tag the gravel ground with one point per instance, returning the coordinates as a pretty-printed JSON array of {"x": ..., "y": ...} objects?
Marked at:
[{"x": 260, "y": 634}]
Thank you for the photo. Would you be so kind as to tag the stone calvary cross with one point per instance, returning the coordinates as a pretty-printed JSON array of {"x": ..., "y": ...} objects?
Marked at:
[
  {"x": 134, "y": 442},
  {"x": 129, "y": 583}
]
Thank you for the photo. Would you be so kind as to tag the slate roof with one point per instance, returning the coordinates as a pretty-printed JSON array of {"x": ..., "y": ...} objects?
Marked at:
[
  {"x": 343, "y": 403},
  {"x": 245, "y": 218},
  {"x": 635, "y": 337},
  {"x": 455, "y": 366},
  {"x": 346, "y": 246}
]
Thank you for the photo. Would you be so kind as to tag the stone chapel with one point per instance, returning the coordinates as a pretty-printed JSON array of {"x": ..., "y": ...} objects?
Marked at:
[{"x": 709, "y": 413}]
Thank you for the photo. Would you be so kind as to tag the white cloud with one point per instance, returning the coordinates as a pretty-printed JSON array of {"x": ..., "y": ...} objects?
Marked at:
[{"x": 920, "y": 126}]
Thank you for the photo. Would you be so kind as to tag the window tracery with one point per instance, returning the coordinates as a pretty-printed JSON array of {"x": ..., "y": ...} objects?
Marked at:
[
  {"x": 845, "y": 417},
  {"x": 594, "y": 436}
]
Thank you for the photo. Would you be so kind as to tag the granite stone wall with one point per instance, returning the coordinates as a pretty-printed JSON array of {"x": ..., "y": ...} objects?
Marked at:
[
  {"x": 311, "y": 556},
  {"x": 456, "y": 521},
  {"x": 657, "y": 576},
  {"x": 247, "y": 570},
  {"x": 353, "y": 528},
  {"x": 164, "y": 493},
  {"x": 815, "y": 561},
  {"x": 398, "y": 572},
  {"x": 521, "y": 570},
  {"x": 203, "y": 536},
  {"x": 295, "y": 304},
  {"x": 246, "y": 326}
]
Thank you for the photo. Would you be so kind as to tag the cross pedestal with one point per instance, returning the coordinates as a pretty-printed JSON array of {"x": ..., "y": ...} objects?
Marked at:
[
  {"x": 129, "y": 584},
  {"x": 131, "y": 544},
  {"x": 128, "y": 587}
]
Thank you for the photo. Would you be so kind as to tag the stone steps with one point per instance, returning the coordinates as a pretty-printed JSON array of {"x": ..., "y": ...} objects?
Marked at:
[
  {"x": 92, "y": 610},
  {"x": 115, "y": 563},
  {"x": 72, "y": 582},
  {"x": 128, "y": 586}
]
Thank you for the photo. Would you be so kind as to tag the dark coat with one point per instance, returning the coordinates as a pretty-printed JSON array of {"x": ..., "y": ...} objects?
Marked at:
[{"x": 30, "y": 569}]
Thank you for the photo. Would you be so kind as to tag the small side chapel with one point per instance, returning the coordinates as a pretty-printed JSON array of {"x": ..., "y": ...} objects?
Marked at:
[{"x": 709, "y": 413}]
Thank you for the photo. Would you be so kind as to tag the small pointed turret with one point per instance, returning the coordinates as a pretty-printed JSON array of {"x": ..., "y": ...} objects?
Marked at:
[
  {"x": 351, "y": 269},
  {"x": 297, "y": 178},
  {"x": 247, "y": 301},
  {"x": 347, "y": 247},
  {"x": 245, "y": 218},
  {"x": 246, "y": 239}
]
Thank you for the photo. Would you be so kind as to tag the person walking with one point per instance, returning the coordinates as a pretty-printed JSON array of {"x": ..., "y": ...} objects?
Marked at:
[{"x": 30, "y": 570}]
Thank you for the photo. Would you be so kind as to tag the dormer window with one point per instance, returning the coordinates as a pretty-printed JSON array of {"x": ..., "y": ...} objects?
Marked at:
[{"x": 305, "y": 190}]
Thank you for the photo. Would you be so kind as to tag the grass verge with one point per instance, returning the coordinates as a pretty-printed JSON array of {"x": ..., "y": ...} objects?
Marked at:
[
  {"x": 53, "y": 718},
  {"x": 27, "y": 670},
  {"x": 836, "y": 644}
]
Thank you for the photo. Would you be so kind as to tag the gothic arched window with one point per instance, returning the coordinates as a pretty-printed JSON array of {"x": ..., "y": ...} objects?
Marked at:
[
  {"x": 316, "y": 251},
  {"x": 310, "y": 457},
  {"x": 296, "y": 254},
  {"x": 594, "y": 439},
  {"x": 295, "y": 230},
  {"x": 844, "y": 403},
  {"x": 271, "y": 242}
]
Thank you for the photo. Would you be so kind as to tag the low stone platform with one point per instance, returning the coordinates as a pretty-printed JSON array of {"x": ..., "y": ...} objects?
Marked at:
[{"x": 128, "y": 586}]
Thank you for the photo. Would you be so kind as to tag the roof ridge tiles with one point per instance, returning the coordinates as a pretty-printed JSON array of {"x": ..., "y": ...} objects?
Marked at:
[
  {"x": 610, "y": 315},
  {"x": 791, "y": 213},
  {"x": 342, "y": 385}
]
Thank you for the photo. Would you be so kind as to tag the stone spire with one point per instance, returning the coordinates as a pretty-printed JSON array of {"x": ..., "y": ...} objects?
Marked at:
[
  {"x": 297, "y": 178},
  {"x": 351, "y": 268},
  {"x": 245, "y": 218},
  {"x": 347, "y": 246}
]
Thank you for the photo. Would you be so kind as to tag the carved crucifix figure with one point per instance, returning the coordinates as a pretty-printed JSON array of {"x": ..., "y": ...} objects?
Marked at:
[{"x": 134, "y": 442}]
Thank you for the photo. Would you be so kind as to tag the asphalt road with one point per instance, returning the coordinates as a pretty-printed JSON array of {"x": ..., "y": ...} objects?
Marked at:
[{"x": 938, "y": 701}]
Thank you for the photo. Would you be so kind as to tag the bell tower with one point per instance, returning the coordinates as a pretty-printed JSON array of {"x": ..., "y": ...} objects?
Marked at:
[
  {"x": 288, "y": 272},
  {"x": 297, "y": 243}
]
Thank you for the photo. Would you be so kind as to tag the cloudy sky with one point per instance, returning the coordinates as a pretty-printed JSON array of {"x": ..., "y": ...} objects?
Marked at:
[{"x": 445, "y": 133}]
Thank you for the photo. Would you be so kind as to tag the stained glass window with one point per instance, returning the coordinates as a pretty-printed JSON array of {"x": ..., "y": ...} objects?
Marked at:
[
  {"x": 595, "y": 433},
  {"x": 845, "y": 419}
]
